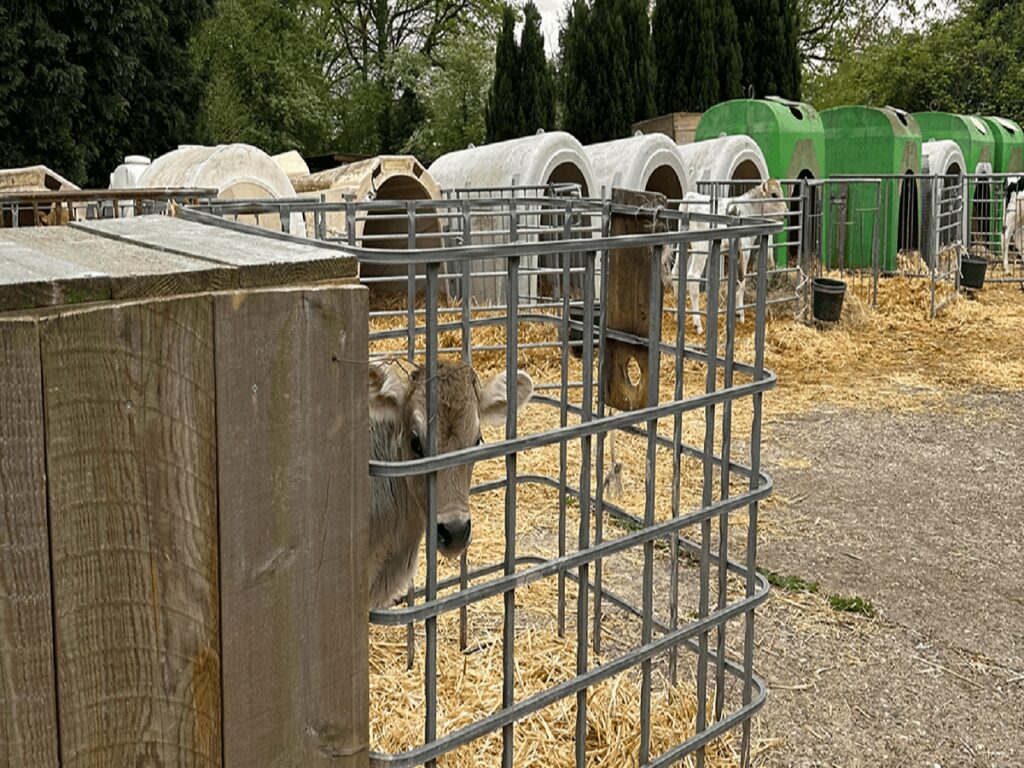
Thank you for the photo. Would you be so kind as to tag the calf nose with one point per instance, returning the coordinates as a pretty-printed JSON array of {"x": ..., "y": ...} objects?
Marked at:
[{"x": 453, "y": 537}]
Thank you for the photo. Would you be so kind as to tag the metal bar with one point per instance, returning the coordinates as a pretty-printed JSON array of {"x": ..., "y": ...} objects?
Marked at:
[
  {"x": 508, "y": 629},
  {"x": 711, "y": 344},
  {"x": 467, "y": 359},
  {"x": 584, "y": 529},
  {"x": 755, "y": 467},
  {"x": 563, "y": 420},
  {"x": 653, "y": 385},
  {"x": 723, "y": 521},
  {"x": 602, "y": 363},
  {"x": 430, "y": 664}
]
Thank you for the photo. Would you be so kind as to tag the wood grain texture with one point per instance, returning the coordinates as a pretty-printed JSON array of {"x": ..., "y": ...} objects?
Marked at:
[
  {"x": 131, "y": 459},
  {"x": 294, "y": 505},
  {"x": 259, "y": 261},
  {"x": 629, "y": 289},
  {"x": 28, "y": 715},
  {"x": 151, "y": 257}
]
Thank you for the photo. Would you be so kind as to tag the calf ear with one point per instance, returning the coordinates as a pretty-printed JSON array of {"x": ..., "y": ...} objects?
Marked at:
[
  {"x": 388, "y": 389},
  {"x": 493, "y": 405}
]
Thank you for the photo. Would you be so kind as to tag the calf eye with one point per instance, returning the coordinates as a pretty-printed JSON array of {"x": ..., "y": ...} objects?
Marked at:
[{"x": 416, "y": 446}]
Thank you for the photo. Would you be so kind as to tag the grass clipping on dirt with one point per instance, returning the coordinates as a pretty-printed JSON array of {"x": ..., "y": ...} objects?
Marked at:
[{"x": 890, "y": 357}]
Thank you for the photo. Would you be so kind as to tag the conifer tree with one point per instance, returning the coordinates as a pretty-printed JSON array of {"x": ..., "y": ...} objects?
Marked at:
[
  {"x": 684, "y": 44},
  {"x": 536, "y": 81},
  {"x": 769, "y": 32},
  {"x": 504, "y": 112},
  {"x": 578, "y": 62},
  {"x": 730, "y": 60},
  {"x": 641, "y": 69}
]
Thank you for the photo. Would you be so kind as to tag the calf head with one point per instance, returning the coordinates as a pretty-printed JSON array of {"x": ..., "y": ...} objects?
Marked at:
[
  {"x": 399, "y": 393},
  {"x": 767, "y": 199}
]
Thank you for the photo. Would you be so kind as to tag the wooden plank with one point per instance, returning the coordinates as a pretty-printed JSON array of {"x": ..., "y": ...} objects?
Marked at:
[
  {"x": 28, "y": 715},
  {"x": 133, "y": 271},
  {"x": 32, "y": 278},
  {"x": 261, "y": 261},
  {"x": 629, "y": 286},
  {"x": 292, "y": 429},
  {"x": 131, "y": 460}
]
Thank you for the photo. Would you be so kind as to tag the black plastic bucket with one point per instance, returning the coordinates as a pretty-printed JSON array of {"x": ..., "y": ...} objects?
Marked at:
[
  {"x": 828, "y": 299},
  {"x": 972, "y": 271},
  {"x": 576, "y": 329}
]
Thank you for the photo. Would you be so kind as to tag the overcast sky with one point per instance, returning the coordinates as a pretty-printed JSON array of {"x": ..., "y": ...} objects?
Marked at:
[{"x": 549, "y": 11}]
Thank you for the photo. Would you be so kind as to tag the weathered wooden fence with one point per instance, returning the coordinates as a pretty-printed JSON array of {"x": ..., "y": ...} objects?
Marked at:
[{"x": 183, "y": 499}]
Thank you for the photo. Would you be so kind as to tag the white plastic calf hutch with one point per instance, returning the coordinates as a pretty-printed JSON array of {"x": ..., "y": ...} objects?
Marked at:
[
  {"x": 544, "y": 164},
  {"x": 729, "y": 158},
  {"x": 945, "y": 160},
  {"x": 399, "y": 178},
  {"x": 236, "y": 171},
  {"x": 649, "y": 163}
]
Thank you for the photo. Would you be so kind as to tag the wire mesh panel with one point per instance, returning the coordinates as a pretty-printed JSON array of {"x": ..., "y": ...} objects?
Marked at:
[
  {"x": 994, "y": 224},
  {"x": 863, "y": 228},
  {"x": 782, "y": 202},
  {"x": 564, "y": 514}
]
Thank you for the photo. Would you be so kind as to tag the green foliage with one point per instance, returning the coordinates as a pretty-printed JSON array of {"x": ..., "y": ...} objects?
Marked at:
[
  {"x": 685, "y": 44},
  {"x": 852, "y": 605},
  {"x": 789, "y": 583},
  {"x": 382, "y": 54},
  {"x": 504, "y": 110},
  {"x": 730, "y": 59},
  {"x": 522, "y": 97},
  {"x": 607, "y": 67},
  {"x": 264, "y": 83},
  {"x": 577, "y": 62},
  {"x": 82, "y": 86},
  {"x": 536, "y": 79},
  {"x": 454, "y": 98},
  {"x": 769, "y": 37},
  {"x": 831, "y": 31},
  {"x": 967, "y": 64}
]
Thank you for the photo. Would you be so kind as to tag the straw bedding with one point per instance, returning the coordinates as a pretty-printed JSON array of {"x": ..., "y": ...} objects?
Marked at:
[{"x": 894, "y": 357}]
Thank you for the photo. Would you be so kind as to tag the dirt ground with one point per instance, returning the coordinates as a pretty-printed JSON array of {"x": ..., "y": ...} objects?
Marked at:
[{"x": 920, "y": 514}]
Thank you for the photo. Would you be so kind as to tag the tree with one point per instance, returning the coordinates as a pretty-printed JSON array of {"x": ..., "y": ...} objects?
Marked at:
[
  {"x": 968, "y": 64},
  {"x": 832, "y": 30},
  {"x": 730, "y": 60},
  {"x": 607, "y": 68},
  {"x": 454, "y": 98},
  {"x": 264, "y": 82},
  {"x": 769, "y": 35},
  {"x": 536, "y": 81},
  {"x": 639, "y": 51},
  {"x": 505, "y": 117},
  {"x": 578, "y": 61},
  {"x": 684, "y": 43},
  {"x": 380, "y": 51},
  {"x": 83, "y": 86}
]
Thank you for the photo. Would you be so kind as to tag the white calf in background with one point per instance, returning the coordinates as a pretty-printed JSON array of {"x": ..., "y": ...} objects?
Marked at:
[
  {"x": 763, "y": 201},
  {"x": 1013, "y": 219}
]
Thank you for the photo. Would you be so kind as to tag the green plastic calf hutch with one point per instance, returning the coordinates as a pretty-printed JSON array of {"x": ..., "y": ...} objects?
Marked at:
[
  {"x": 876, "y": 141},
  {"x": 974, "y": 137},
  {"x": 789, "y": 133}
]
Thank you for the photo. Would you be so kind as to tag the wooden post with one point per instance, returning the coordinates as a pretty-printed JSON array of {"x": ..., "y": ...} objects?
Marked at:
[
  {"x": 629, "y": 287},
  {"x": 184, "y": 500},
  {"x": 294, "y": 489},
  {"x": 131, "y": 461},
  {"x": 28, "y": 715}
]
